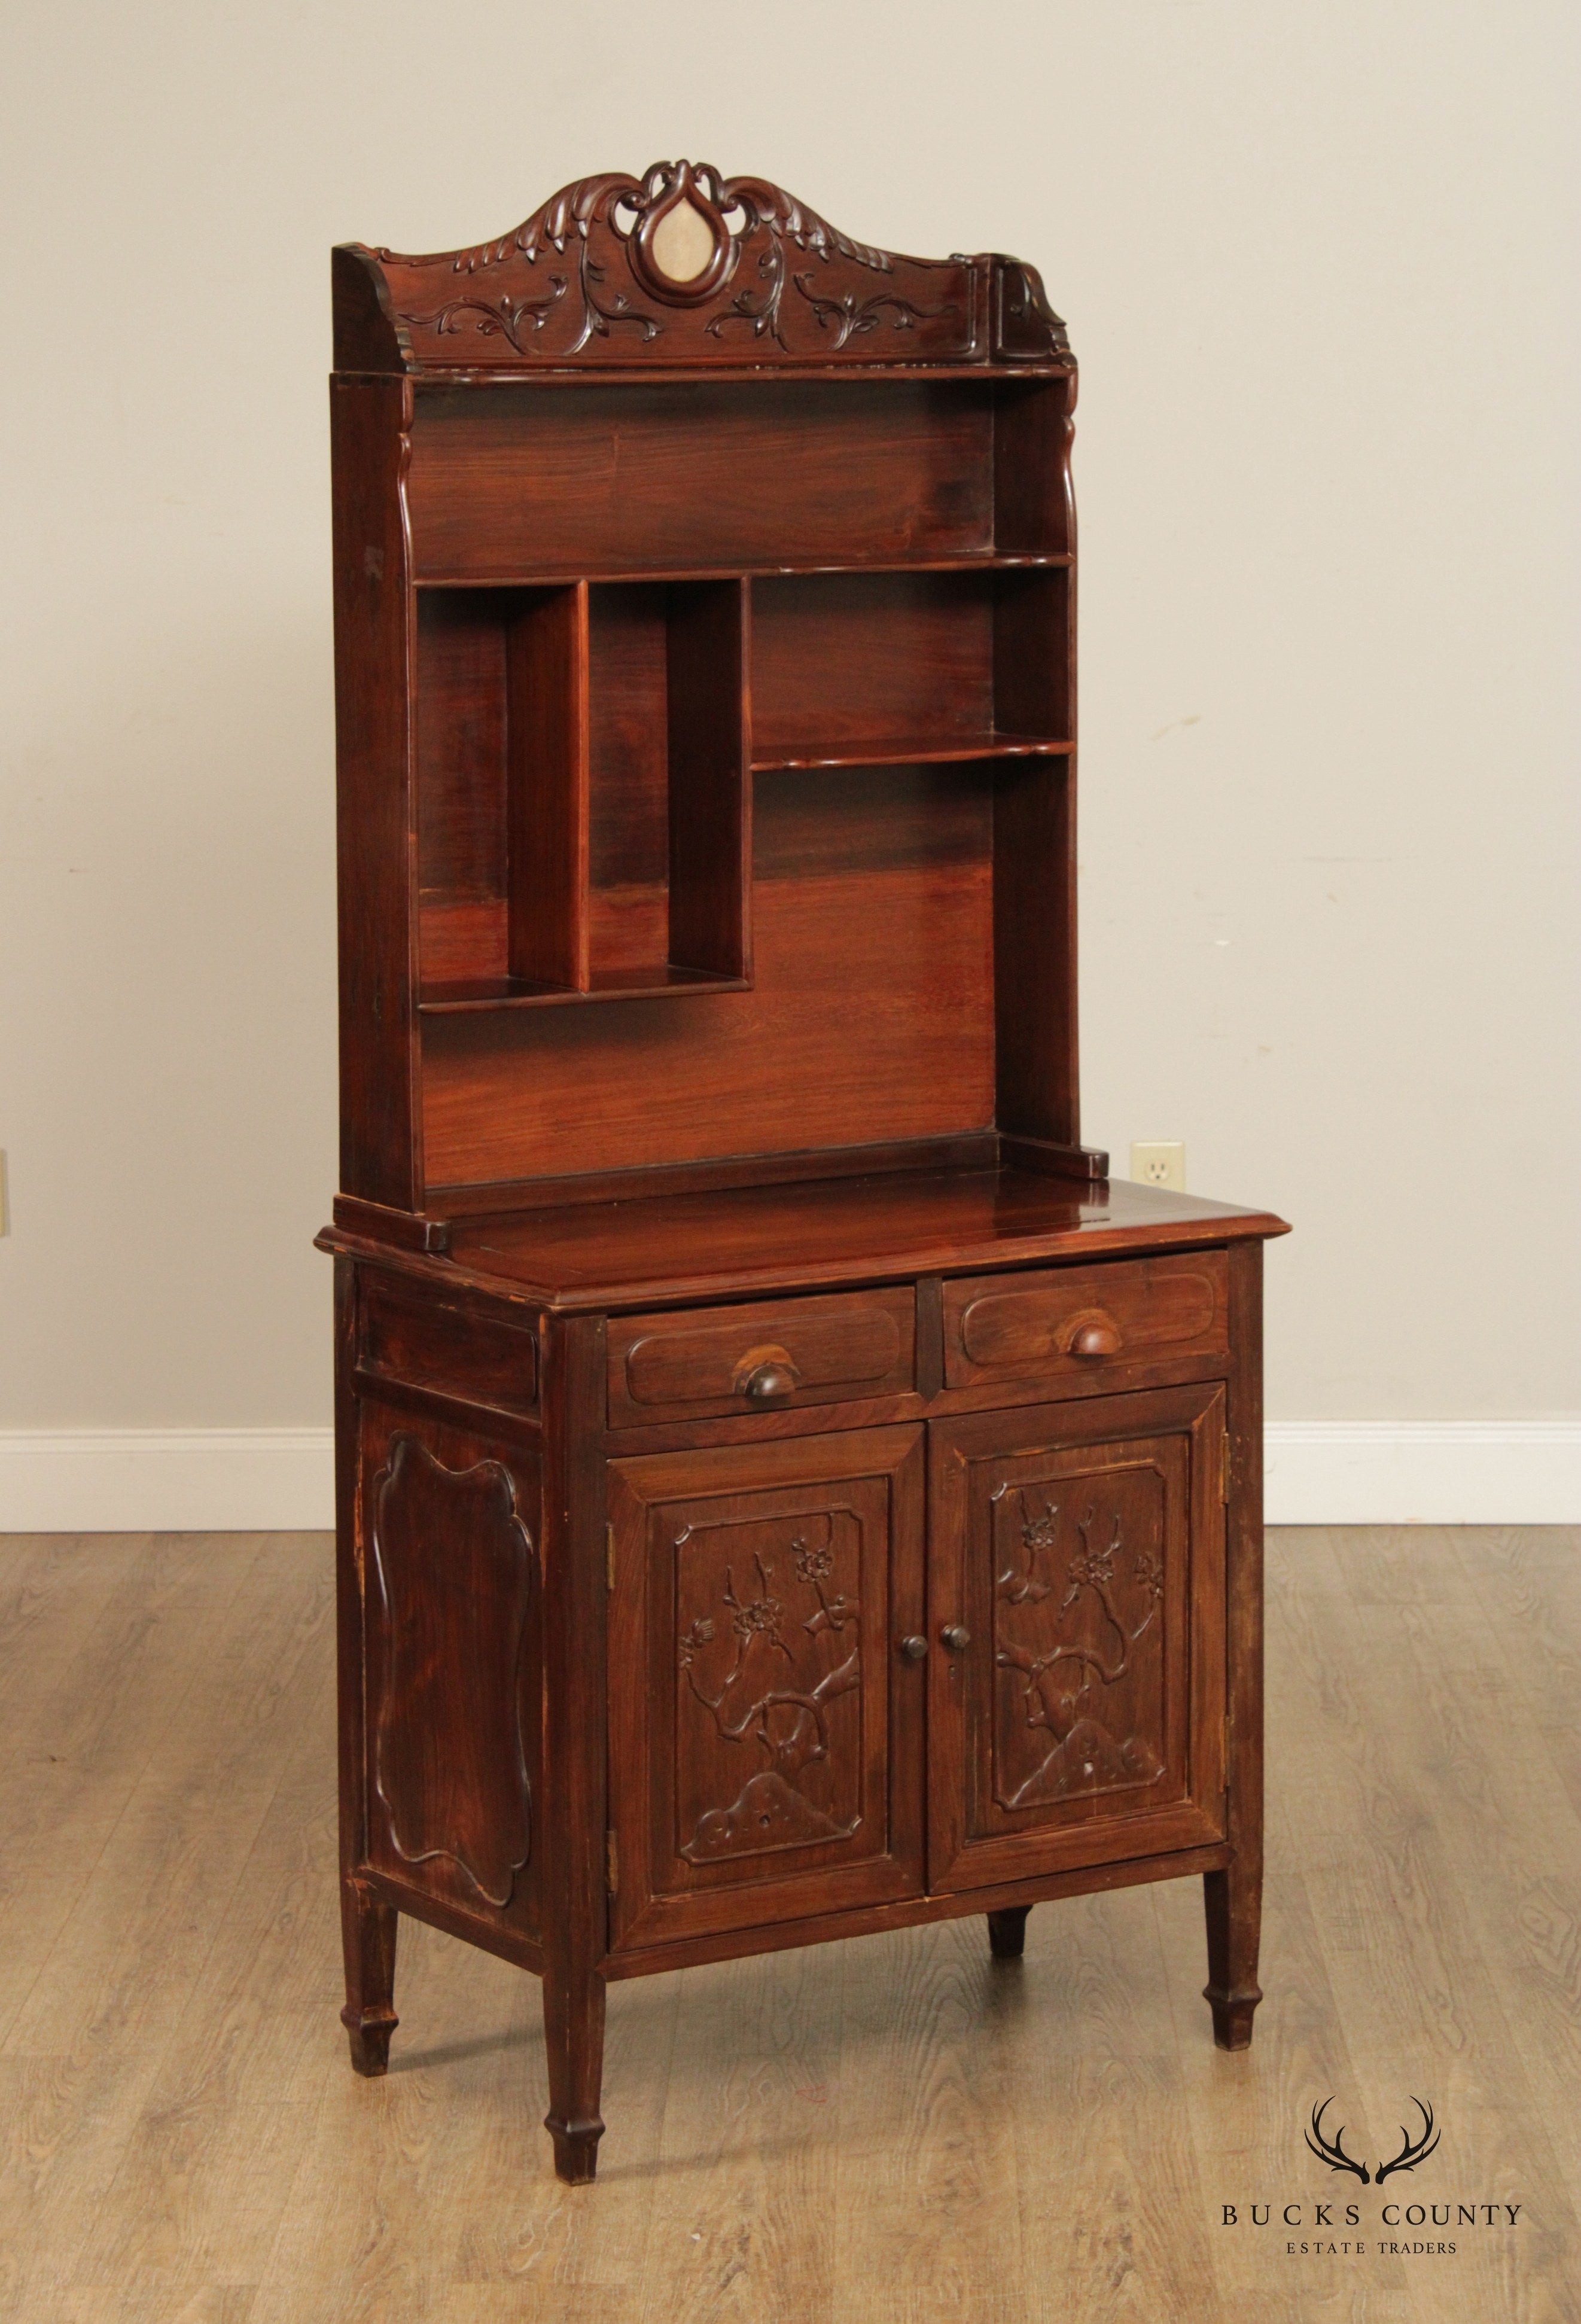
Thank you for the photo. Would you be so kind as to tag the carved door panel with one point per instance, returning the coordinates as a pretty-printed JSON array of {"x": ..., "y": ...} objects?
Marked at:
[
  {"x": 1077, "y": 1564},
  {"x": 766, "y": 1755},
  {"x": 453, "y": 1661}
]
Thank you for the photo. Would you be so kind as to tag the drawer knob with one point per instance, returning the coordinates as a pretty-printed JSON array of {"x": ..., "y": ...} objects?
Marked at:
[
  {"x": 1095, "y": 1335},
  {"x": 913, "y": 1648},
  {"x": 766, "y": 1376},
  {"x": 956, "y": 1636}
]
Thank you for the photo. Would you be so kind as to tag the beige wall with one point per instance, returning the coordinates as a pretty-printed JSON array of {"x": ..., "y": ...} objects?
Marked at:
[{"x": 1315, "y": 264}]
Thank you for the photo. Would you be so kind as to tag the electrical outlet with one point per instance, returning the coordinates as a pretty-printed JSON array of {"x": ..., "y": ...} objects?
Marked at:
[{"x": 1160, "y": 1162}]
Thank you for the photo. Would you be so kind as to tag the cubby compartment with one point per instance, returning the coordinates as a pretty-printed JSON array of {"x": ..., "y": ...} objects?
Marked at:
[
  {"x": 861, "y": 668},
  {"x": 582, "y": 798}
]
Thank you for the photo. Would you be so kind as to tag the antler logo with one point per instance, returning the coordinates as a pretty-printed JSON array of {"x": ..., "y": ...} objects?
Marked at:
[{"x": 1411, "y": 2151}]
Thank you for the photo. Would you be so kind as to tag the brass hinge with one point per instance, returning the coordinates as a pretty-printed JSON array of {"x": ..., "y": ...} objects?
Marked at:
[
  {"x": 1225, "y": 1470},
  {"x": 609, "y": 1557},
  {"x": 612, "y": 1863}
]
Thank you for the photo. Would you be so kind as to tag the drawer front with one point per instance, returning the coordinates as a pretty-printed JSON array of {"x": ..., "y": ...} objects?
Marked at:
[
  {"x": 767, "y": 1357},
  {"x": 1069, "y": 1322}
]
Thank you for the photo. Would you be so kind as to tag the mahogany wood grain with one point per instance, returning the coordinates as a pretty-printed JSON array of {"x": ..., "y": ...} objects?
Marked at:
[
  {"x": 573, "y": 1820},
  {"x": 711, "y": 1360},
  {"x": 759, "y": 1419},
  {"x": 682, "y": 1247},
  {"x": 1033, "y": 509},
  {"x": 895, "y": 904},
  {"x": 765, "y": 1738},
  {"x": 1077, "y": 1319},
  {"x": 913, "y": 1912},
  {"x": 381, "y": 1121},
  {"x": 1234, "y": 1895},
  {"x": 457, "y": 1350},
  {"x": 546, "y": 788},
  {"x": 1078, "y": 1551},
  {"x": 710, "y": 787},
  {"x": 711, "y": 476}
]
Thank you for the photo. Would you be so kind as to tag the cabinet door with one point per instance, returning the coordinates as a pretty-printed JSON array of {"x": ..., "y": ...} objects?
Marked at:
[
  {"x": 1077, "y": 1564},
  {"x": 766, "y": 1755}
]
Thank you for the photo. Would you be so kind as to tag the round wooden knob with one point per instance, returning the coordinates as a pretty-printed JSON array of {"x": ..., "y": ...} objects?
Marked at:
[
  {"x": 913, "y": 1648},
  {"x": 769, "y": 1384},
  {"x": 1095, "y": 1335},
  {"x": 956, "y": 1636}
]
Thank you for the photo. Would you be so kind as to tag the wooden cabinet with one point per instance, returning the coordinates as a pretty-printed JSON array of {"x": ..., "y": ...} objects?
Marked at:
[{"x": 786, "y": 1489}]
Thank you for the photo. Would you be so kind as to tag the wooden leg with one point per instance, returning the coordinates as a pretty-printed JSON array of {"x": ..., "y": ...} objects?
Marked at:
[
  {"x": 1007, "y": 1932},
  {"x": 1234, "y": 1901},
  {"x": 573, "y": 2033},
  {"x": 367, "y": 1931}
]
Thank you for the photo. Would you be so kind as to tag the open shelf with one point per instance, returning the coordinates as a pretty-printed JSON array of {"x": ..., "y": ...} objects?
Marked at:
[
  {"x": 581, "y": 793},
  {"x": 910, "y": 667},
  {"x": 977, "y": 561},
  {"x": 444, "y": 999},
  {"x": 719, "y": 476},
  {"x": 905, "y": 750}
]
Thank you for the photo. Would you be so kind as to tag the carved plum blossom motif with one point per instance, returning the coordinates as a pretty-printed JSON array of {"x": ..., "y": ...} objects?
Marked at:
[
  {"x": 784, "y": 1712},
  {"x": 1085, "y": 1641}
]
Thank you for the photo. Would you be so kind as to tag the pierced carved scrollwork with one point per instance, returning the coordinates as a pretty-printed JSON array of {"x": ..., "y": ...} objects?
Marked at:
[
  {"x": 769, "y": 1674},
  {"x": 586, "y": 276},
  {"x": 453, "y": 1587},
  {"x": 1081, "y": 1703}
]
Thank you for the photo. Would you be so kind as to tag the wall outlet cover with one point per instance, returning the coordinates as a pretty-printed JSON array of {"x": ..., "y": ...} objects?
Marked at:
[{"x": 1160, "y": 1162}]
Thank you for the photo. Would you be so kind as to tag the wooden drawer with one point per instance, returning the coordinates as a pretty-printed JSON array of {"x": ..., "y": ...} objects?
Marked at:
[
  {"x": 1065, "y": 1322},
  {"x": 764, "y": 1357}
]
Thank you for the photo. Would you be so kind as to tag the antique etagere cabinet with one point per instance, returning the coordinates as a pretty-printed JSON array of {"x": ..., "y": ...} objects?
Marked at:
[{"x": 786, "y": 1490}]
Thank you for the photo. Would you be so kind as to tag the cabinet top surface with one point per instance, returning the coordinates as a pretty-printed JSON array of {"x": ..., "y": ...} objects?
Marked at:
[
  {"x": 673, "y": 1247},
  {"x": 683, "y": 267}
]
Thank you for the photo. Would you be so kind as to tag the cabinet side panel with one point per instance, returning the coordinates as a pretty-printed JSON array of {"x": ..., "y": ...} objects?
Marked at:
[{"x": 380, "y": 1122}]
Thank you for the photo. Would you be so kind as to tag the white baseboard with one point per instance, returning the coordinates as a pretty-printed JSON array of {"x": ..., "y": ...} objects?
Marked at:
[
  {"x": 167, "y": 1481},
  {"x": 283, "y": 1480},
  {"x": 1423, "y": 1472}
]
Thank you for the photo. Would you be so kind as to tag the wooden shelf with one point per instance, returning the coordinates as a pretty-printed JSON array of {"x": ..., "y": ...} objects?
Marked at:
[
  {"x": 905, "y": 750},
  {"x": 978, "y": 562},
  {"x": 448, "y": 999}
]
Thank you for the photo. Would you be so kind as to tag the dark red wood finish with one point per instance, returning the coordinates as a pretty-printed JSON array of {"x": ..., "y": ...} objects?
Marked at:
[{"x": 784, "y": 1490}]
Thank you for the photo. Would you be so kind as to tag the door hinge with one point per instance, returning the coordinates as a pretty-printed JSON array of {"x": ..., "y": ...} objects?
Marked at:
[
  {"x": 609, "y": 1557},
  {"x": 1225, "y": 1470},
  {"x": 612, "y": 1863}
]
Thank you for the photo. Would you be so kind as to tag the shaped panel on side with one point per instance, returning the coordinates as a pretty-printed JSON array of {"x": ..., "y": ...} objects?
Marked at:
[{"x": 451, "y": 1616}]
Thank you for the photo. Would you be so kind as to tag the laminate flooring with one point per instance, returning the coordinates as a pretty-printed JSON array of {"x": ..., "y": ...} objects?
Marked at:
[{"x": 892, "y": 2127}]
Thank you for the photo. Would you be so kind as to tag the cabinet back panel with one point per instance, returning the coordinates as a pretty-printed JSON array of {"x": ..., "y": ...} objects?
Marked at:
[
  {"x": 871, "y": 1017},
  {"x": 844, "y": 657},
  {"x": 704, "y": 476}
]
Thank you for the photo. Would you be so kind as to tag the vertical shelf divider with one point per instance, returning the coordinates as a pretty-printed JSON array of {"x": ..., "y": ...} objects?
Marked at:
[
  {"x": 548, "y": 791},
  {"x": 710, "y": 779}
]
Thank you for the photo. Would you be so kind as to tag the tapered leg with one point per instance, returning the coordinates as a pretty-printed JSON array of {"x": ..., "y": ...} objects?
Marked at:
[
  {"x": 1234, "y": 1900},
  {"x": 367, "y": 1931},
  {"x": 1007, "y": 1932},
  {"x": 573, "y": 2033}
]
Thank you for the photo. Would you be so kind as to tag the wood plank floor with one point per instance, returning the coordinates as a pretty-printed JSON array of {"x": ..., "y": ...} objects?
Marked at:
[{"x": 893, "y": 2127}]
